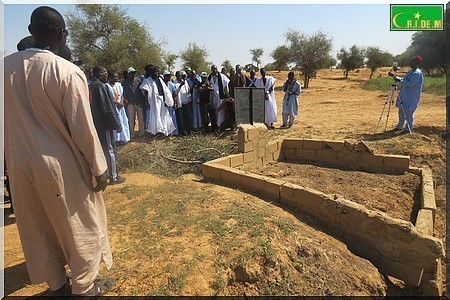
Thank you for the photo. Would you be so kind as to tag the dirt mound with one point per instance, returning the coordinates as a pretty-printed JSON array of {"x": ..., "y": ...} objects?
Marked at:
[{"x": 396, "y": 195}]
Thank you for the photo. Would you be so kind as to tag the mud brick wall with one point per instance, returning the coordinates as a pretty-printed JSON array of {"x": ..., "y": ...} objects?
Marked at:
[
  {"x": 255, "y": 148},
  {"x": 432, "y": 277},
  {"x": 394, "y": 246},
  {"x": 340, "y": 154}
]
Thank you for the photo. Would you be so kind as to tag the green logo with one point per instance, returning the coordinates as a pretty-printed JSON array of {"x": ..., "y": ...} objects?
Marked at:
[{"x": 417, "y": 17}]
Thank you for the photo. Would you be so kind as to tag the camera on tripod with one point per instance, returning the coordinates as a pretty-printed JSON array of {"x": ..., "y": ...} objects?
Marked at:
[{"x": 393, "y": 72}]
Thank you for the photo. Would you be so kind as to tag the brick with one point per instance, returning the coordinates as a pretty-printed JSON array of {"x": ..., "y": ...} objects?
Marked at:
[
  {"x": 268, "y": 158},
  {"x": 329, "y": 156},
  {"x": 289, "y": 153},
  {"x": 242, "y": 132},
  {"x": 337, "y": 146},
  {"x": 312, "y": 145},
  {"x": 373, "y": 163},
  {"x": 253, "y": 134},
  {"x": 210, "y": 172},
  {"x": 261, "y": 126},
  {"x": 245, "y": 147},
  {"x": 292, "y": 143},
  {"x": 276, "y": 155},
  {"x": 272, "y": 188},
  {"x": 415, "y": 171},
  {"x": 425, "y": 223},
  {"x": 261, "y": 152},
  {"x": 306, "y": 155},
  {"x": 409, "y": 274},
  {"x": 272, "y": 147},
  {"x": 395, "y": 163},
  {"x": 223, "y": 161},
  {"x": 232, "y": 177},
  {"x": 236, "y": 160},
  {"x": 350, "y": 159},
  {"x": 262, "y": 142},
  {"x": 304, "y": 199},
  {"x": 428, "y": 198},
  {"x": 248, "y": 157},
  {"x": 431, "y": 284}
]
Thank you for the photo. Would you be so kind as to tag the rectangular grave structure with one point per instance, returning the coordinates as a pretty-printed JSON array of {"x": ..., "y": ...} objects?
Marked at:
[{"x": 249, "y": 104}]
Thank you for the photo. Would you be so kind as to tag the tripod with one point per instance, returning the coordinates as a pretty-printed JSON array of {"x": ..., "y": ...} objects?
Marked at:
[{"x": 390, "y": 100}]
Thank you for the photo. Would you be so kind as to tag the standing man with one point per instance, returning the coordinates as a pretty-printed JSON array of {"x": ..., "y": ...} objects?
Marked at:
[
  {"x": 117, "y": 90},
  {"x": 291, "y": 89},
  {"x": 135, "y": 100},
  {"x": 167, "y": 78},
  {"x": 207, "y": 108},
  {"x": 106, "y": 120},
  {"x": 409, "y": 95},
  {"x": 184, "y": 105},
  {"x": 194, "y": 83},
  {"x": 159, "y": 100},
  {"x": 270, "y": 105},
  {"x": 220, "y": 94},
  {"x": 56, "y": 163}
]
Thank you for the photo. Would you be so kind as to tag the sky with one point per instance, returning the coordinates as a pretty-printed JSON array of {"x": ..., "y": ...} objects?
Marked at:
[{"x": 229, "y": 31}]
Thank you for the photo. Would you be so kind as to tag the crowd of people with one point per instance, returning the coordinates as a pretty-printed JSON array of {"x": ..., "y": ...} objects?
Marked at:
[{"x": 162, "y": 103}]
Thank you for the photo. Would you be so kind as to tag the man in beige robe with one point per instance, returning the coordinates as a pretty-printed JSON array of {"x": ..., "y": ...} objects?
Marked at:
[{"x": 55, "y": 162}]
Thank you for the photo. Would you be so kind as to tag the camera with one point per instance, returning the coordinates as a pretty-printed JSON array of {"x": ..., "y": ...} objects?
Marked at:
[{"x": 395, "y": 66}]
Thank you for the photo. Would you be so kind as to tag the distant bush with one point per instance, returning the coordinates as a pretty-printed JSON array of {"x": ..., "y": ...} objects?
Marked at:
[{"x": 432, "y": 84}]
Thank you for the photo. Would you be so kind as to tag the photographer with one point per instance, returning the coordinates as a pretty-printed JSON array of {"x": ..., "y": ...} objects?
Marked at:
[
  {"x": 409, "y": 95},
  {"x": 291, "y": 89}
]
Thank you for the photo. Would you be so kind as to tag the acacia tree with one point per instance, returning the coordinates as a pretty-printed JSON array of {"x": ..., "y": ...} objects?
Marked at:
[
  {"x": 351, "y": 59},
  {"x": 281, "y": 57},
  {"x": 195, "y": 57},
  {"x": 105, "y": 35},
  {"x": 377, "y": 58},
  {"x": 256, "y": 56},
  {"x": 310, "y": 53}
]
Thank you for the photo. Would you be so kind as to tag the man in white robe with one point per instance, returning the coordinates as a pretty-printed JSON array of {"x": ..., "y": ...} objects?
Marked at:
[
  {"x": 117, "y": 90},
  {"x": 220, "y": 84},
  {"x": 159, "y": 99},
  {"x": 54, "y": 161},
  {"x": 270, "y": 105}
]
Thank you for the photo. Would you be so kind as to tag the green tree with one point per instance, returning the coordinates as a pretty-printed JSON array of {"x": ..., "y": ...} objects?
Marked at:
[
  {"x": 105, "y": 35},
  {"x": 227, "y": 64},
  {"x": 351, "y": 59},
  {"x": 195, "y": 57},
  {"x": 170, "y": 59},
  {"x": 256, "y": 56},
  {"x": 431, "y": 46},
  {"x": 377, "y": 58},
  {"x": 310, "y": 53},
  {"x": 281, "y": 57}
]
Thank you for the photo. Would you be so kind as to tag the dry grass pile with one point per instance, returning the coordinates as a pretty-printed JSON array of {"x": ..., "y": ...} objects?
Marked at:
[{"x": 174, "y": 156}]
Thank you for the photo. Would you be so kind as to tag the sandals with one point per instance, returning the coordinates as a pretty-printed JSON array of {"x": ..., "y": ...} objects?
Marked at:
[{"x": 101, "y": 287}]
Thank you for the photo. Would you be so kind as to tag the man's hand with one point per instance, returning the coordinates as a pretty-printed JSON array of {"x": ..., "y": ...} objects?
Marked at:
[{"x": 102, "y": 182}]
